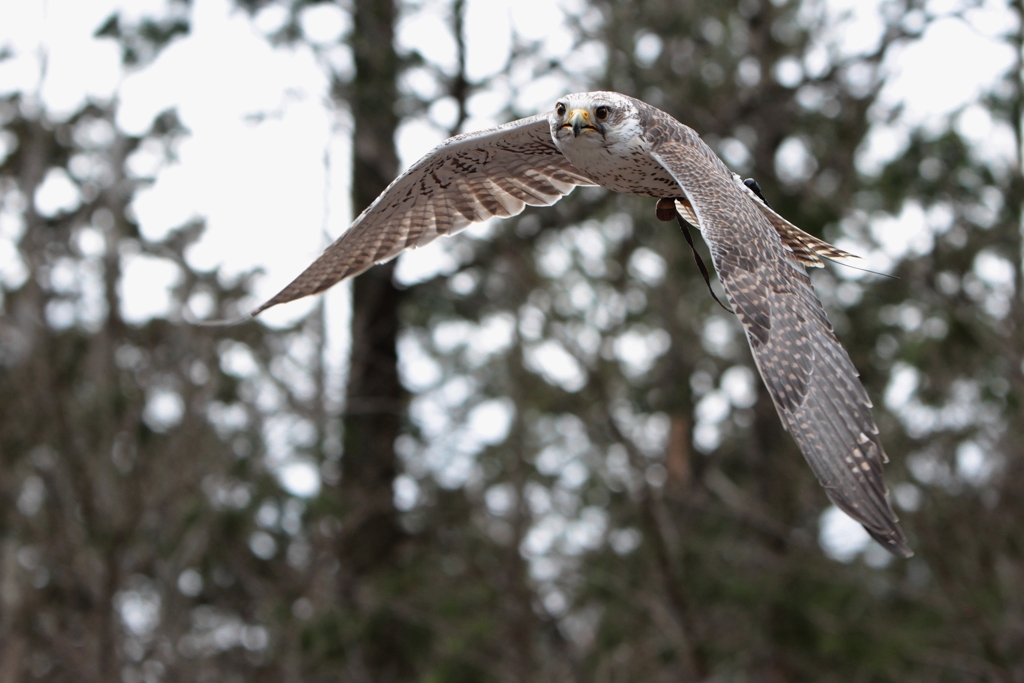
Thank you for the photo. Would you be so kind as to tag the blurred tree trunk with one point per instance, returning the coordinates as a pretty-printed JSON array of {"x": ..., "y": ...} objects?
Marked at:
[{"x": 374, "y": 394}]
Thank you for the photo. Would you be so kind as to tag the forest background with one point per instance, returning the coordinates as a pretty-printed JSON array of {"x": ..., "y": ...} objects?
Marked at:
[{"x": 537, "y": 451}]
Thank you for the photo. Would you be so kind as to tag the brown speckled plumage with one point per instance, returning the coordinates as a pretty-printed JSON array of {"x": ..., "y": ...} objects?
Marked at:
[
  {"x": 759, "y": 257},
  {"x": 466, "y": 179}
]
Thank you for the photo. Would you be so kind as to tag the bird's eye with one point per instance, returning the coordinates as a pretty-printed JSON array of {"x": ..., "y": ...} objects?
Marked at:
[
  {"x": 560, "y": 109},
  {"x": 602, "y": 113}
]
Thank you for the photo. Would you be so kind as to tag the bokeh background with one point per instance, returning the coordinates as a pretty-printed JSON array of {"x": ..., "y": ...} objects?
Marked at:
[{"x": 537, "y": 451}]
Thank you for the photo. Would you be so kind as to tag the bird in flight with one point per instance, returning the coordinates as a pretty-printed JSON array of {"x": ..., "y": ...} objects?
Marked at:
[{"x": 628, "y": 146}]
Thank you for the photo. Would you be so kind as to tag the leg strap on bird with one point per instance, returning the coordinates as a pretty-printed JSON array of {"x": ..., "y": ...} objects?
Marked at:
[{"x": 666, "y": 209}]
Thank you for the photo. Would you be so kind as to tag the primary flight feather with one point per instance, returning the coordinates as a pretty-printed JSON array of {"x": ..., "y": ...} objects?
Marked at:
[{"x": 628, "y": 146}]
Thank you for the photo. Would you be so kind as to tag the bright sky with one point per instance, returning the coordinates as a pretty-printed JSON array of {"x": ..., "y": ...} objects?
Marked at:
[{"x": 266, "y": 162}]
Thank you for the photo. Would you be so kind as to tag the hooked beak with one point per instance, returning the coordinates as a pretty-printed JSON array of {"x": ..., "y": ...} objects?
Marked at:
[{"x": 579, "y": 121}]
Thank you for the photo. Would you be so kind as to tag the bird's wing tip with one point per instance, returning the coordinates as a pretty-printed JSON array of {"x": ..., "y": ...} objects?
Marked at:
[
  {"x": 899, "y": 548},
  {"x": 894, "y": 541},
  {"x": 902, "y": 549}
]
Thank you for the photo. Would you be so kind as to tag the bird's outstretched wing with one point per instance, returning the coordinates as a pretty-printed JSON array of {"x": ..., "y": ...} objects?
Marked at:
[
  {"x": 467, "y": 178},
  {"x": 809, "y": 375}
]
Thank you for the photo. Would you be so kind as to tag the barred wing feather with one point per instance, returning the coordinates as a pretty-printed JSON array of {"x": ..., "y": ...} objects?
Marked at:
[{"x": 466, "y": 179}]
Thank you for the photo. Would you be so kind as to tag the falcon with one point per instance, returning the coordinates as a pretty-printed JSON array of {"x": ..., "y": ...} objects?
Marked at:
[{"x": 628, "y": 146}]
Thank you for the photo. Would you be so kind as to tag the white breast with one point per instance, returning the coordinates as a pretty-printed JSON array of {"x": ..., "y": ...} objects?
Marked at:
[{"x": 620, "y": 163}]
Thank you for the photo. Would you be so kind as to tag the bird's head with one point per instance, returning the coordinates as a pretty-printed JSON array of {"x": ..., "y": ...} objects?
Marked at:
[{"x": 606, "y": 116}]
